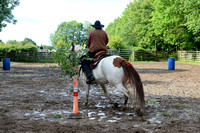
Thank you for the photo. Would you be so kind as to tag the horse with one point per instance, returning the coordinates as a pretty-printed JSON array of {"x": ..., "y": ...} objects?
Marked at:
[{"x": 120, "y": 74}]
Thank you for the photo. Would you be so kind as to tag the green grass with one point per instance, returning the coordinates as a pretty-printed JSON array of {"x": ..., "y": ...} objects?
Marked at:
[
  {"x": 21, "y": 75},
  {"x": 180, "y": 105},
  {"x": 189, "y": 62}
]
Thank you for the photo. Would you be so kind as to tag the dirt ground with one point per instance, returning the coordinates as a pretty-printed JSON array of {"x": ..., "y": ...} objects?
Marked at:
[{"x": 33, "y": 98}]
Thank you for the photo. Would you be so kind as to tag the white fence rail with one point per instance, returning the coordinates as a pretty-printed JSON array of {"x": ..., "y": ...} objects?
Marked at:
[{"x": 189, "y": 56}]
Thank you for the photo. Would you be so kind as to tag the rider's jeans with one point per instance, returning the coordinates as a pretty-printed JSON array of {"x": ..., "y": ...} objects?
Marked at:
[{"x": 85, "y": 64}]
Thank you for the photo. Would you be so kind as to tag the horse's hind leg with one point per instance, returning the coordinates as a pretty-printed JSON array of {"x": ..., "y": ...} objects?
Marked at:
[
  {"x": 125, "y": 102},
  {"x": 106, "y": 93},
  {"x": 126, "y": 93}
]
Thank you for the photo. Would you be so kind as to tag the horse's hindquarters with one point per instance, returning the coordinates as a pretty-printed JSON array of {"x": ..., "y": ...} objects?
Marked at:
[{"x": 106, "y": 71}]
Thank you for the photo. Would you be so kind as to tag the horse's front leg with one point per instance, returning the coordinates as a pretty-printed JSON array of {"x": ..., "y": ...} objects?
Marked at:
[
  {"x": 87, "y": 95},
  {"x": 106, "y": 93}
]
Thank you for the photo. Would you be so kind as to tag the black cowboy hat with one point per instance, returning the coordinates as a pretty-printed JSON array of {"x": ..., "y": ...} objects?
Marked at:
[{"x": 97, "y": 25}]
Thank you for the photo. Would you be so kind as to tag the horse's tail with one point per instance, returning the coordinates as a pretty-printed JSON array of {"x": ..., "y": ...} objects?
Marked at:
[{"x": 132, "y": 77}]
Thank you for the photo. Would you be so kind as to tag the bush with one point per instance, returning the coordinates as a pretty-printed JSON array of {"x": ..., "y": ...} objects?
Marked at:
[
  {"x": 116, "y": 43},
  {"x": 13, "y": 51}
]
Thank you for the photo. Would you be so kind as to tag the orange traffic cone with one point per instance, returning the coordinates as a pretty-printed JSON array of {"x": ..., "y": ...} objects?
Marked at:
[
  {"x": 75, "y": 106},
  {"x": 75, "y": 114}
]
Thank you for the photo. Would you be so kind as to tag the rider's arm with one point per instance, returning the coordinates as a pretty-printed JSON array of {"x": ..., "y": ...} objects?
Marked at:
[
  {"x": 89, "y": 39},
  {"x": 107, "y": 39}
]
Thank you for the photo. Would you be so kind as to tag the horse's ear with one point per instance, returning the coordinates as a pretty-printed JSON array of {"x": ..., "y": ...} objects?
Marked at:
[{"x": 72, "y": 44}]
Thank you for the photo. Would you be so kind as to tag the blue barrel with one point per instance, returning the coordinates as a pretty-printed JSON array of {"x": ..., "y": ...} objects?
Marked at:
[
  {"x": 6, "y": 64},
  {"x": 171, "y": 63}
]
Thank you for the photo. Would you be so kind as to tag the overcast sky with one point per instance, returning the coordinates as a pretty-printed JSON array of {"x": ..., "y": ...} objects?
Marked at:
[{"x": 37, "y": 19}]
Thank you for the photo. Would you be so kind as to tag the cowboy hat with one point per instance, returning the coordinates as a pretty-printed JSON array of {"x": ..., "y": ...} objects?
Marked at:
[{"x": 97, "y": 25}]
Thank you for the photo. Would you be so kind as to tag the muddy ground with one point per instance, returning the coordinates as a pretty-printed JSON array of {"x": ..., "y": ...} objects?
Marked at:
[{"x": 34, "y": 99}]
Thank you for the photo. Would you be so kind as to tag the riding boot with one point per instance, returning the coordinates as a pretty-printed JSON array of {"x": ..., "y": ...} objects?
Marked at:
[
  {"x": 88, "y": 73},
  {"x": 90, "y": 79}
]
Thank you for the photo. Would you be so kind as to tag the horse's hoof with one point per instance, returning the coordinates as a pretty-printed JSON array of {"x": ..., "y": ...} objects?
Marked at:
[
  {"x": 138, "y": 112},
  {"x": 115, "y": 105},
  {"x": 85, "y": 104},
  {"x": 123, "y": 108}
]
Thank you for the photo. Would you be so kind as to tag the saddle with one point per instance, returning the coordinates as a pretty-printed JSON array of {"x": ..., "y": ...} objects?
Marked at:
[{"x": 97, "y": 58}]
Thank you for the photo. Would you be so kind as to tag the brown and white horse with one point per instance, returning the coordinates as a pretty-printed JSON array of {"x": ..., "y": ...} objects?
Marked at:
[{"x": 121, "y": 74}]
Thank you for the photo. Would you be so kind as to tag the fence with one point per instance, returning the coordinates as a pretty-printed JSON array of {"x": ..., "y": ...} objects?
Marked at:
[
  {"x": 27, "y": 56},
  {"x": 128, "y": 54},
  {"x": 139, "y": 55},
  {"x": 189, "y": 56}
]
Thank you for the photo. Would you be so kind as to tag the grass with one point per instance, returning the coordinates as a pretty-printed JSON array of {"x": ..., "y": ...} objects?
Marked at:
[
  {"x": 180, "y": 105},
  {"x": 21, "y": 75},
  {"x": 189, "y": 62}
]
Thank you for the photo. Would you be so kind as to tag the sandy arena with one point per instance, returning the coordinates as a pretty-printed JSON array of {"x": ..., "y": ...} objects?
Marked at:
[{"x": 33, "y": 98}]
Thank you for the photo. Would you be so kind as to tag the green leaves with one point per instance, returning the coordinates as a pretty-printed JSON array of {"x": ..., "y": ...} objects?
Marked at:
[
  {"x": 6, "y": 7},
  {"x": 68, "y": 60},
  {"x": 55, "y": 115},
  {"x": 68, "y": 32},
  {"x": 6, "y": 48},
  {"x": 159, "y": 24}
]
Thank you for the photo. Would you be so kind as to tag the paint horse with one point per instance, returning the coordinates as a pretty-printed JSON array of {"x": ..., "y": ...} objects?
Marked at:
[{"x": 121, "y": 74}]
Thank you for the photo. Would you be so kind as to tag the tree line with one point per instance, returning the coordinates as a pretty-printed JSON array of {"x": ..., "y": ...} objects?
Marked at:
[
  {"x": 157, "y": 25},
  {"x": 144, "y": 24}
]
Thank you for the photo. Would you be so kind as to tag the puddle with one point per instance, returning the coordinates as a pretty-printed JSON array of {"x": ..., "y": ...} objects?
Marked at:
[
  {"x": 136, "y": 125},
  {"x": 36, "y": 112},
  {"x": 63, "y": 94},
  {"x": 154, "y": 120},
  {"x": 112, "y": 121},
  {"x": 131, "y": 114},
  {"x": 101, "y": 113},
  {"x": 43, "y": 115},
  {"x": 101, "y": 118},
  {"x": 27, "y": 114},
  {"x": 90, "y": 113},
  {"x": 117, "y": 118},
  {"x": 99, "y": 105},
  {"x": 119, "y": 113}
]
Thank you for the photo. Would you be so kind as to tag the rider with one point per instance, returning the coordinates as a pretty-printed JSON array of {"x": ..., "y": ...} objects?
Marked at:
[{"x": 97, "y": 41}]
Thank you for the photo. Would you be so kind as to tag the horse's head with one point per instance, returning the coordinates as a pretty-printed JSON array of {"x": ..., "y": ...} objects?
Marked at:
[{"x": 78, "y": 49}]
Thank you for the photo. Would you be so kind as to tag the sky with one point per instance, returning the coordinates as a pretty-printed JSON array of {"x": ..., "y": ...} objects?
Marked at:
[{"x": 37, "y": 19}]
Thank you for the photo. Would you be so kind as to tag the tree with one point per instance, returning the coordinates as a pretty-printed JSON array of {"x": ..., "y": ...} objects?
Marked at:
[
  {"x": 1, "y": 42},
  {"x": 117, "y": 35},
  {"x": 6, "y": 7},
  {"x": 12, "y": 42},
  {"x": 134, "y": 26},
  {"x": 116, "y": 43},
  {"x": 87, "y": 28},
  {"x": 28, "y": 40},
  {"x": 138, "y": 18},
  {"x": 159, "y": 25},
  {"x": 68, "y": 32},
  {"x": 191, "y": 11}
]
